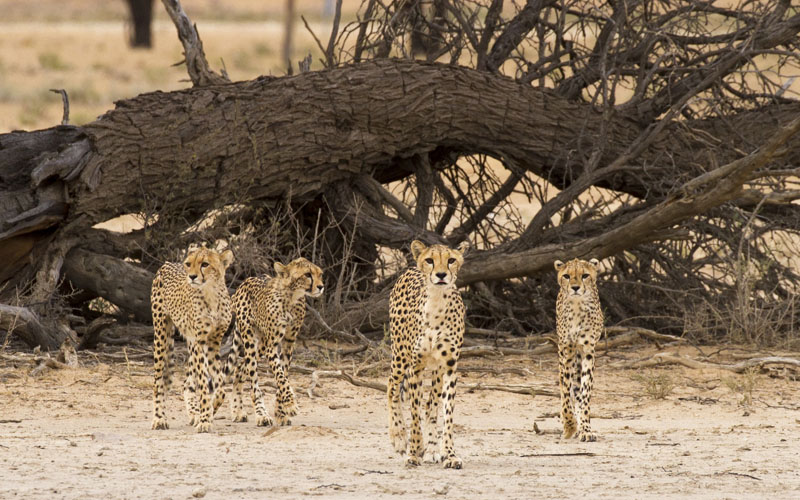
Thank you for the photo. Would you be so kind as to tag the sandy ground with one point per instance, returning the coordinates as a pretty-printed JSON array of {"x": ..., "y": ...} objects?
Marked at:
[{"x": 85, "y": 433}]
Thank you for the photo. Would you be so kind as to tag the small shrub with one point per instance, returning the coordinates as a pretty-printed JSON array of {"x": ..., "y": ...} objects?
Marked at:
[
  {"x": 51, "y": 60},
  {"x": 743, "y": 385},
  {"x": 657, "y": 386}
]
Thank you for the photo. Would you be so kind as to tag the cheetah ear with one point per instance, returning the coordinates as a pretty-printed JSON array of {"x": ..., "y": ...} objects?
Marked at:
[
  {"x": 463, "y": 247},
  {"x": 594, "y": 262},
  {"x": 417, "y": 247},
  {"x": 558, "y": 265},
  {"x": 279, "y": 268},
  {"x": 227, "y": 258}
]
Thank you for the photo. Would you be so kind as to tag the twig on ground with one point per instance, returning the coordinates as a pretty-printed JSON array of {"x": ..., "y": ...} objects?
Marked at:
[
  {"x": 575, "y": 454},
  {"x": 517, "y": 389},
  {"x": 667, "y": 358}
]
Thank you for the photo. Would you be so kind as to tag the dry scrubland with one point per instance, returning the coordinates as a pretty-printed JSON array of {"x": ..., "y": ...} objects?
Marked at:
[
  {"x": 674, "y": 432},
  {"x": 84, "y": 432}
]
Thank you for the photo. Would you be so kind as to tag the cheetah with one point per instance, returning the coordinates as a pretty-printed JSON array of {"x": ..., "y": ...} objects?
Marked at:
[
  {"x": 192, "y": 297},
  {"x": 268, "y": 311},
  {"x": 579, "y": 324},
  {"x": 426, "y": 316}
]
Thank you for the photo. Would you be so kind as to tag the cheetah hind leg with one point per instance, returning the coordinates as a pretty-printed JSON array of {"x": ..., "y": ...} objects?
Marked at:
[
  {"x": 397, "y": 428},
  {"x": 190, "y": 398}
]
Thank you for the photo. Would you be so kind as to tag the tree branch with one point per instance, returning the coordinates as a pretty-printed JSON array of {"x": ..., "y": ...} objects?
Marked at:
[
  {"x": 196, "y": 63},
  {"x": 697, "y": 196}
]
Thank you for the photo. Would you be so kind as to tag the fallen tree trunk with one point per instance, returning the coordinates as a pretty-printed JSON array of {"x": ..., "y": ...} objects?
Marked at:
[
  {"x": 319, "y": 133},
  {"x": 123, "y": 284},
  {"x": 204, "y": 147}
]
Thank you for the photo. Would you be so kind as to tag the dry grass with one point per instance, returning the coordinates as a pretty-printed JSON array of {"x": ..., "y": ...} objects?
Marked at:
[
  {"x": 743, "y": 385},
  {"x": 81, "y": 46}
]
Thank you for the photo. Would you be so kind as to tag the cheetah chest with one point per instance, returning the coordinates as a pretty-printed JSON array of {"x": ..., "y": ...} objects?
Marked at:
[
  {"x": 436, "y": 339},
  {"x": 577, "y": 321}
]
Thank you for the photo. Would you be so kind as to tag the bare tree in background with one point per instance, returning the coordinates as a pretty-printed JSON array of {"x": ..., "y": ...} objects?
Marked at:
[
  {"x": 141, "y": 21},
  {"x": 658, "y": 135},
  {"x": 288, "y": 35}
]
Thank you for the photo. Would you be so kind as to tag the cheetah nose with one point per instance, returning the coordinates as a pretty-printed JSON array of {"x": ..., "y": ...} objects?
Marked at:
[
  {"x": 441, "y": 276},
  {"x": 320, "y": 287},
  {"x": 576, "y": 287},
  {"x": 192, "y": 276}
]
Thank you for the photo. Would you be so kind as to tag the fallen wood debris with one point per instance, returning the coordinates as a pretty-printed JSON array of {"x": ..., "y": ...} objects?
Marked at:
[{"x": 668, "y": 358}]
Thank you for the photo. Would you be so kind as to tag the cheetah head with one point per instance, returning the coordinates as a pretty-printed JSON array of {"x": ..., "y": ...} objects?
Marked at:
[
  {"x": 438, "y": 262},
  {"x": 204, "y": 265},
  {"x": 576, "y": 276},
  {"x": 303, "y": 277}
]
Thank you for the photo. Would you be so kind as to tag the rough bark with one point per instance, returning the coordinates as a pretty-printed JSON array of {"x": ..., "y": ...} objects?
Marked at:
[
  {"x": 269, "y": 136},
  {"x": 27, "y": 325},
  {"x": 201, "y": 148},
  {"x": 121, "y": 283}
]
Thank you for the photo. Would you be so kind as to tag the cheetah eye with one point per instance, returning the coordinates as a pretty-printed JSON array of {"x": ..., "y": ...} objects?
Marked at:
[
  {"x": 566, "y": 276},
  {"x": 186, "y": 264},
  {"x": 451, "y": 260},
  {"x": 429, "y": 261},
  {"x": 308, "y": 275},
  {"x": 585, "y": 276},
  {"x": 204, "y": 265}
]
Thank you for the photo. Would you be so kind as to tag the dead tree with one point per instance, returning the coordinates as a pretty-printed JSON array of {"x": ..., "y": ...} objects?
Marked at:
[
  {"x": 141, "y": 21},
  {"x": 649, "y": 141}
]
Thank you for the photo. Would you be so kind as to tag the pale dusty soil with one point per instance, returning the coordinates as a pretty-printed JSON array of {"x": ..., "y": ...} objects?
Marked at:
[{"x": 85, "y": 433}]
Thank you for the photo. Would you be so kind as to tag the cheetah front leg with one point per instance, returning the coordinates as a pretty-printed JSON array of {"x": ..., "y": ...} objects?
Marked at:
[
  {"x": 190, "y": 399},
  {"x": 217, "y": 371},
  {"x": 285, "y": 405},
  {"x": 397, "y": 426},
  {"x": 449, "y": 458},
  {"x": 415, "y": 395},
  {"x": 162, "y": 348},
  {"x": 432, "y": 434},
  {"x": 287, "y": 347},
  {"x": 582, "y": 400},
  {"x": 251, "y": 365},
  {"x": 205, "y": 384},
  {"x": 566, "y": 369}
]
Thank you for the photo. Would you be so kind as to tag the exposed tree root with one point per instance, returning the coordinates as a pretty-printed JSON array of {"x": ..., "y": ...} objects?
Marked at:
[{"x": 668, "y": 358}]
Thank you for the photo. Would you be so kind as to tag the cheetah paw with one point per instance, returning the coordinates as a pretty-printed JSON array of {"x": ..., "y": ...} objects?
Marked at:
[
  {"x": 203, "y": 427},
  {"x": 452, "y": 463},
  {"x": 160, "y": 424},
  {"x": 290, "y": 408},
  {"x": 587, "y": 437},
  {"x": 431, "y": 456},
  {"x": 240, "y": 417},
  {"x": 412, "y": 461},
  {"x": 283, "y": 420},
  {"x": 399, "y": 442},
  {"x": 263, "y": 421},
  {"x": 569, "y": 433},
  {"x": 193, "y": 420}
]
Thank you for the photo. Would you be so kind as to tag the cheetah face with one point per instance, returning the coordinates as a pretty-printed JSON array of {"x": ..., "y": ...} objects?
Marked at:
[
  {"x": 304, "y": 277},
  {"x": 204, "y": 265},
  {"x": 576, "y": 276},
  {"x": 438, "y": 262}
]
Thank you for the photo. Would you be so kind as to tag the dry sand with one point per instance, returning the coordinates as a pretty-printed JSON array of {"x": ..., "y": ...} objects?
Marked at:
[{"x": 85, "y": 433}]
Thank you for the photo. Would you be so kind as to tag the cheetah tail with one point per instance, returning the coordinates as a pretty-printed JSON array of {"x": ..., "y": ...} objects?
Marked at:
[{"x": 233, "y": 355}]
